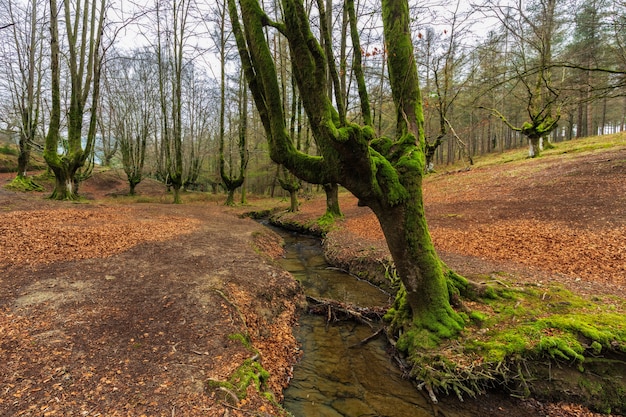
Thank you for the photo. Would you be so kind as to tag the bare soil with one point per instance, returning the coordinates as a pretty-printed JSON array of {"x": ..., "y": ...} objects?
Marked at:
[{"x": 116, "y": 309}]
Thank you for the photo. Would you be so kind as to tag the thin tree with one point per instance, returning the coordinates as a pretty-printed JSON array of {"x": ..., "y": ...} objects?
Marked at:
[
  {"x": 24, "y": 78},
  {"x": 172, "y": 35}
]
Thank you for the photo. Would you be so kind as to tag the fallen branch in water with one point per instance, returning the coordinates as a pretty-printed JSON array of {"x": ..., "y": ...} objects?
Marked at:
[
  {"x": 369, "y": 338},
  {"x": 336, "y": 311}
]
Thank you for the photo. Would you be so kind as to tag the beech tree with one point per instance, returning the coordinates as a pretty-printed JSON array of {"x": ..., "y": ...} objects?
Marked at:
[
  {"x": 385, "y": 173},
  {"x": 132, "y": 95},
  {"x": 534, "y": 29},
  {"x": 22, "y": 55},
  {"x": 83, "y": 26},
  {"x": 227, "y": 168}
]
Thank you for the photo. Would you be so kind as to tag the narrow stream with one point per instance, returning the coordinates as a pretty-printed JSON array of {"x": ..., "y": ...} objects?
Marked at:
[{"x": 336, "y": 376}]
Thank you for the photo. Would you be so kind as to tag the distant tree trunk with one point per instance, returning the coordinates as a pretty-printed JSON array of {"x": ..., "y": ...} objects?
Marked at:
[
  {"x": 132, "y": 186},
  {"x": 23, "y": 158},
  {"x": 292, "y": 185},
  {"x": 293, "y": 201},
  {"x": 332, "y": 200},
  {"x": 231, "y": 183}
]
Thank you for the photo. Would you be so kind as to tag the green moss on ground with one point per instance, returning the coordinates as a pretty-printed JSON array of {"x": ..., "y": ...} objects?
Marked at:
[
  {"x": 249, "y": 373},
  {"x": 518, "y": 337},
  {"x": 24, "y": 184}
]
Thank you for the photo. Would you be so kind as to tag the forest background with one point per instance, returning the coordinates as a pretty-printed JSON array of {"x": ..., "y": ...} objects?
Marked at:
[{"x": 165, "y": 86}]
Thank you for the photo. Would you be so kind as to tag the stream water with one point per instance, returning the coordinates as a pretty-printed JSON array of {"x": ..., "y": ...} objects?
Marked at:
[{"x": 336, "y": 376}]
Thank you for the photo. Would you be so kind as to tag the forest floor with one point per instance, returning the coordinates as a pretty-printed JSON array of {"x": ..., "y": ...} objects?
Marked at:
[{"x": 123, "y": 306}]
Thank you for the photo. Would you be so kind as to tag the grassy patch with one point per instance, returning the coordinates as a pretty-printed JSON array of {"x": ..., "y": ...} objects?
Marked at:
[
  {"x": 574, "y": 146},
  {"x": 7, "y": 149}
]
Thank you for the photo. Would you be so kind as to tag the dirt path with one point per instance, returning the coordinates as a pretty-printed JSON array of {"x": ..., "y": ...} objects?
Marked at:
[{"x": 119, "y": 310}]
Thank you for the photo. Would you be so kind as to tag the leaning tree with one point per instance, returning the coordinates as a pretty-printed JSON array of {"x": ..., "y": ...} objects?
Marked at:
[{"x": 384, "y": 173}]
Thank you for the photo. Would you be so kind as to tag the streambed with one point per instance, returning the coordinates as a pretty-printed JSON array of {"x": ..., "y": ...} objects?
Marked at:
[{"x": 336, "y": 376}]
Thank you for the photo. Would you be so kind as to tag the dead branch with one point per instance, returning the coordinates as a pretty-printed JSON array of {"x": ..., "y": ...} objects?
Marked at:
[
  {"x": 369, "y": 338},
  {"x": 336, "y": 311}
]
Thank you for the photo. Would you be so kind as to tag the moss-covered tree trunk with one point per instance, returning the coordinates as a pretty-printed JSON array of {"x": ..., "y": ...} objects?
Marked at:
[
  {"x": 384, "y": 173},
  {"x": 230, "y": 200}
]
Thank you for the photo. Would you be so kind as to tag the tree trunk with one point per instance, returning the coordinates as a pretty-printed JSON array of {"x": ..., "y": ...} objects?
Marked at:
[
  {"x": 65, "y": 185},
  {"x": 230, "y": 200},
  {"x": 23, "y": 157},
  {"x": 534, "y": 148},
  {"x": 293, "y": 201},
  {"x": 332, "y": 200},
  {"x": 426, "y": 304},
  {"x": 176, "y": 188},
  {"x": 243, "y": 200},
  {"x": 132, "y": 186}
]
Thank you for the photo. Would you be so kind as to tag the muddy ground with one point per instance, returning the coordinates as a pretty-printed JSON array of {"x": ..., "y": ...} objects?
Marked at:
[{"x": 116, "y": 309}]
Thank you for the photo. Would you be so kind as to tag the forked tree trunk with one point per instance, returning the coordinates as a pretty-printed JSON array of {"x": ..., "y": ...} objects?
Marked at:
[{"x": 65, "y": 185}]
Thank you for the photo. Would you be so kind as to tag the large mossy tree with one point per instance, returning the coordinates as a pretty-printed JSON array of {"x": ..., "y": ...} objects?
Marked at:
[{"x": 384, "y": 173}]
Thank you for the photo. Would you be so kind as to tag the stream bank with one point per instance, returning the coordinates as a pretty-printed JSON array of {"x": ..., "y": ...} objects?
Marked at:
[{"x": 549, "y": 380}]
